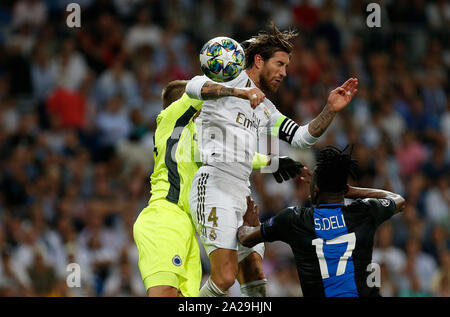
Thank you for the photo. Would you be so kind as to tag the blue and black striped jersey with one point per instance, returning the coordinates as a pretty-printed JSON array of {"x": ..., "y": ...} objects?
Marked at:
[{"x": 332, "y": 245}]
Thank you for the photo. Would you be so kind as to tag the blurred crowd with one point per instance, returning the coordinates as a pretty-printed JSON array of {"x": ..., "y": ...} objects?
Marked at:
[{"x": 77, "y": 117}]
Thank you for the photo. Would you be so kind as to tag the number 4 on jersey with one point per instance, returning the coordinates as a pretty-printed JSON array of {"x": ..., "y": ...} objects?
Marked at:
[{"x": 213, "y": 217}]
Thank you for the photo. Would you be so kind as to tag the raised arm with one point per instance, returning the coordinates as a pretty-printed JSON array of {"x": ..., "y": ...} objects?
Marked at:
[
  {"x": 307, "y": 135},
  {"x": 202, "y": 88},
  {"x": 338, "y": 99},
  {"x": 359, "y": 192}
]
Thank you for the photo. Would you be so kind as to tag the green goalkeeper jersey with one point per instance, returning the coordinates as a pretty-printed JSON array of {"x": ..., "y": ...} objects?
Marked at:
[
  {"x": 175, "y": 153},
  {"x": 173, "y": 125}
]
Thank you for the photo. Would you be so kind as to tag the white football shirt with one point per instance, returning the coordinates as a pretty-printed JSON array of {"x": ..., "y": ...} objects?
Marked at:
[{"x": 228, "y": 128}]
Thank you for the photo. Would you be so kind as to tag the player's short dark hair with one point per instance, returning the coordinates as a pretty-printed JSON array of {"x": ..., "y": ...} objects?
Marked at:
[
  {"x": 333, "y": 168},
  {"x": 267, "y": 43},
  {"x": 173, "y": 91}
]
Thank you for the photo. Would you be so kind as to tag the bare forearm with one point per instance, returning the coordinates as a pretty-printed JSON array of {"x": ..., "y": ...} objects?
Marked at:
[
  {"x": 213, "y": 91},
  {"x": 359, "y": 192},
  {"x": 319, "y": 124}
]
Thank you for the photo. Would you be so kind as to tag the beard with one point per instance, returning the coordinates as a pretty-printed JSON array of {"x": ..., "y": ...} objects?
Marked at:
[{"x": 266, "y": 85}]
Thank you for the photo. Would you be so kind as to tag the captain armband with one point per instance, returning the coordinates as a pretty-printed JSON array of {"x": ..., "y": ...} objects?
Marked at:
[
  {"x": 285, "y": 129},
  {"x": 298, "y": 136}
]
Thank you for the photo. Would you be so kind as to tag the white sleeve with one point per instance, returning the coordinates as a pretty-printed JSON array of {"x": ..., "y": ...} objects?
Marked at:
[
  {"x": 288, "y": 130},
  {"x": 195, "y": 85},
  {"x": 302, "y": 138}
]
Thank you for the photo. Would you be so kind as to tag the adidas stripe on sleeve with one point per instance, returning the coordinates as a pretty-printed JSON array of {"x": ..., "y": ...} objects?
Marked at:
[{"x": 287, "y": 130}]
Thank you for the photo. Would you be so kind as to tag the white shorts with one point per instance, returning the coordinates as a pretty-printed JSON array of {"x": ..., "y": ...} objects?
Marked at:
[{"x": 218, "y": 202}]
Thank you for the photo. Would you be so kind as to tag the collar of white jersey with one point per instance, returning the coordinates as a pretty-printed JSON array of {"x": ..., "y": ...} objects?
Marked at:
[{"x": 244, "y": 78}]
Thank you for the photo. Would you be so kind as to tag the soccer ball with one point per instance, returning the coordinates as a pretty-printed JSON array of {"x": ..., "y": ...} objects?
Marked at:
[{"x": 222, "y": 59}]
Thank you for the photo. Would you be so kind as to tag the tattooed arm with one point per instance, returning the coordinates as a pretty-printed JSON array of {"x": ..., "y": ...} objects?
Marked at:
[
  {"x": 200, "y": 87},
  {"x": 320, "y": 123},
  {"x": 337, "y": 100},
  {"x": 305, "y": 136},
  {"x": 212, "y": 90}
]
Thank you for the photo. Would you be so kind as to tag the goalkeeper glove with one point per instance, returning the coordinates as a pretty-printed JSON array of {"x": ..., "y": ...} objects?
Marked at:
[{"x": 287, "y": 168}]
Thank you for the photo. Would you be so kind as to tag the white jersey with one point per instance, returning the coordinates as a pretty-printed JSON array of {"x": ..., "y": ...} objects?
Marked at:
[{"x": 228, "y": 128}]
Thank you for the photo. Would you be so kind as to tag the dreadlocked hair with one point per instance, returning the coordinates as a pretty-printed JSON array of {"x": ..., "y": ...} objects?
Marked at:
[
  {"x": 268, "y": 43},
  {"x": 333, "y": 168}
]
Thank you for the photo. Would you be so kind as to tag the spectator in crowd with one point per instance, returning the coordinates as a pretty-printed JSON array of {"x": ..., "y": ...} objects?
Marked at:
[
  {"x": 440, "y": 283},
  {"x": 32, "y": 12},
  {"x": 388, "y": 287},
  {"x": 385, "y": 253},
  {"x": 144, "y": 32},
  {"x": 42, "y": 75},
  {"x": 438, "y": 243},
  {"x": 123, "y": 281},
  {"x": 116, "y": 80},
  {"x": 437, "y": 201},
  {"x": 113, "y": 122},
  {"x": 69, "y": 68},
  {"x": 419, "y": 269}
]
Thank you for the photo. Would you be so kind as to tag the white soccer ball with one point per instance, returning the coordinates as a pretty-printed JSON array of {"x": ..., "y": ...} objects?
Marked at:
[{"x": 222, "y": 59}]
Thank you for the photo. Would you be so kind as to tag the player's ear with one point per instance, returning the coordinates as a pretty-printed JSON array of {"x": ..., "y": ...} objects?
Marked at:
[
  {"x": 314, "y": 192},
  {"x": 259, "y": 61}
]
